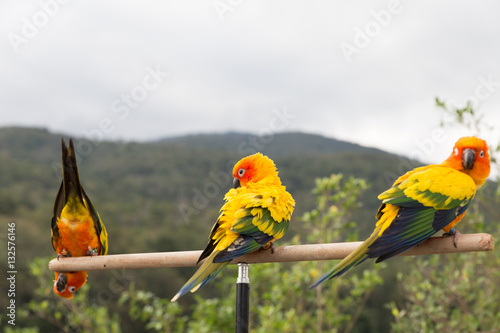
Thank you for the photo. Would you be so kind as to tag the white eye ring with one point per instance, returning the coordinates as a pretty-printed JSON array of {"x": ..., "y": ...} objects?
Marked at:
[
  {"x": 241, "y": 172},
  {"x": 71, "y": 289},
  {"x": 481, "y": 154},
  {"x": 456, "y": 151}
]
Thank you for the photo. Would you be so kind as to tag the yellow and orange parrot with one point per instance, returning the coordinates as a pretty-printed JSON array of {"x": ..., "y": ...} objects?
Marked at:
[
  {"x": 422, "y": 202},
  {"x": 77, "y": 229},
  {"x": 257, "y": 211}
]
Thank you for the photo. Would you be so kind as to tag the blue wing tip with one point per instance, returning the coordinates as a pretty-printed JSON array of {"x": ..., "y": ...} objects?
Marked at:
[
  {"x": 320, "y": 281},
  {"x": 183, "y": 291},
  {"x": 330, "y": 275},
  {"x": 180, "y": 293}
]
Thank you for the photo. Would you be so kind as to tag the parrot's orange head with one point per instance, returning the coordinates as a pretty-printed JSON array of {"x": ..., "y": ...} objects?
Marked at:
[
  {"x": 470, "y": 155},
  {"x": 67, "y": 283},
  {"x": 254, "y": 168}
]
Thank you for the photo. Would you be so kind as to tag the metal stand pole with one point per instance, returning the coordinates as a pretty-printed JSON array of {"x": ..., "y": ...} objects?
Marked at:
[{"x": 242, "y": 299}]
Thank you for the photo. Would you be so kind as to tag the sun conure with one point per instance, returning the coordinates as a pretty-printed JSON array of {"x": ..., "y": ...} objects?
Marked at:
[
  {"x": 77, "y": 229},
  {"x": 422, "y": 202},
  {"x": 257, "y": 211}
]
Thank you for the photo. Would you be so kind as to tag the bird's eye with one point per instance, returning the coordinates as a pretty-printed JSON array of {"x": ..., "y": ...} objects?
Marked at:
[
  {"x": 481, "y": 154},
  {"x": 456, "y": 151},
  {"x": 71, "y": 289},
  {"x": 241, "y": 172}
]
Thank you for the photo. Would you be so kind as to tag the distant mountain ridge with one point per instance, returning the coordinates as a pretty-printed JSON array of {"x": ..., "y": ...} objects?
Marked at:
[
  {"x": 277, "y": 145},
  {"x": 138, "y": 180}
]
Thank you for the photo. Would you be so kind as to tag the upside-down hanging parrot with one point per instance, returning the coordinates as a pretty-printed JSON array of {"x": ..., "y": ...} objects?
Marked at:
[
  {"x": 77, "y": 229},
  {"x": 66, "y": 283},
  {"x": 257, "y": 212},
  {"x": 422, "y": 202}
]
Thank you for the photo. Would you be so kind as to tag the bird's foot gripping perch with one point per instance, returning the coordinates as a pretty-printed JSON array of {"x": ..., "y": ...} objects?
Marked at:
[
  {"x": 64, "y": 253},
  {"x": 267, "y": 246},
  {"x": 91, "y": 252},
  {"x": 455, "y": 233}
]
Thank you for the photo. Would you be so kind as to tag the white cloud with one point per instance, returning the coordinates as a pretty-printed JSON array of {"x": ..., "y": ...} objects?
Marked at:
[{"x": 231, "y": 74}]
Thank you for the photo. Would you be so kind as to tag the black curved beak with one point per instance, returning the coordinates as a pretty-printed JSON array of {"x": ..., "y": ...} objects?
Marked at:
[
  {"x": 468, "y": 158},
  {"x": 61, "y": 283},
  {"x": 236, "y": 183}
]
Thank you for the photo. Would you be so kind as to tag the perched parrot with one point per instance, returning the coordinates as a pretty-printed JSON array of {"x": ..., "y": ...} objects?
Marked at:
[
  {"x": 422, "y": 202},
  {"x": 77, "y": 229},
  {"x": 257, "y": 211}
]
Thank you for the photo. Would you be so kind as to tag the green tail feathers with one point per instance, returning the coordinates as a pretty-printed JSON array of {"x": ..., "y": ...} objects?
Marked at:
[
  {"x": 71, "y": 180},
  {"x": 354, "y": 258},
  {"x": 203, "y": 275}
]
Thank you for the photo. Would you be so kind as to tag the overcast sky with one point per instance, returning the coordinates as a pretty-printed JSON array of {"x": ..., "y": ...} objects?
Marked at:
[{"x": 362, "y": 71}]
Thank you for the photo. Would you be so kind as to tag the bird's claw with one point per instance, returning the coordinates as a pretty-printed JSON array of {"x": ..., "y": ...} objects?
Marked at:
[
  {"x": 91, "y": 252},
  {"x": 455, "y": 237},
  {"x": 455, "y": 233},
  {"x": 267, "y": 246},
  {"x": 64, "y": 253}
]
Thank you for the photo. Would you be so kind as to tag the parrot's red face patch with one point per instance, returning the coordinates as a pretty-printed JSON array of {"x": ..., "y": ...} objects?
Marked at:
[
  {"x": 254, "y": 168},
  {"x": 65, "y": 284},
  {"x": 471, "y": 155}
]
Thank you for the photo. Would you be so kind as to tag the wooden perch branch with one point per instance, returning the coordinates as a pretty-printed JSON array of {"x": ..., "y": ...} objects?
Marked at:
[{"x": 309, "y": 252}]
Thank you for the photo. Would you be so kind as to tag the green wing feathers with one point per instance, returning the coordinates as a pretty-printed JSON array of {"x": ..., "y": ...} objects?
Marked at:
[{"x": 419, "y": 204}]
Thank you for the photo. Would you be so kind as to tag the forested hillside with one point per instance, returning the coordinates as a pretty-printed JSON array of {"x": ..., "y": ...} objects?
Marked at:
[
  {"x": 149, "y": 194},
  {"x": 165, "y": 195}
]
